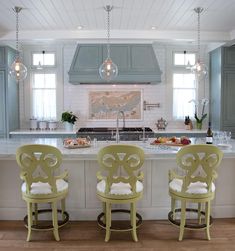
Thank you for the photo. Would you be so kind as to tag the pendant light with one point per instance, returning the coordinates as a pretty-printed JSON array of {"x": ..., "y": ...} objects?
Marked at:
[
  {"x": 108, "y": 70},
  {"x": 199, "y": 69},
  {"x": 18, "y": 70}
]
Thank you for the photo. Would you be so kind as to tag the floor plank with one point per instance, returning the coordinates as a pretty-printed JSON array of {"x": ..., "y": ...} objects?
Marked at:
[{"x": 87, "y": 236}]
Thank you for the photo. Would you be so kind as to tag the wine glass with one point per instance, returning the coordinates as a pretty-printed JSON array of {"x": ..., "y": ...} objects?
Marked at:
[
  {"x": 216, "y": 137},
  {"x": 228, "y": 136}
]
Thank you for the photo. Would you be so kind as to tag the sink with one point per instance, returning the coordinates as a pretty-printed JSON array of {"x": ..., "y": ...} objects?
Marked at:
[
  {"x": 110, "y": 129},
  {"x": 108, "y": 133}
]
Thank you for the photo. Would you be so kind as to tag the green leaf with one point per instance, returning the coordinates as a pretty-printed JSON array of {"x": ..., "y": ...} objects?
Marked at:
[{"x": 68, "y": 117}]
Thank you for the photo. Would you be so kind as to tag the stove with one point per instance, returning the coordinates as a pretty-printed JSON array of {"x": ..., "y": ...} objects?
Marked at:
[{"x": 108, "y": 133}]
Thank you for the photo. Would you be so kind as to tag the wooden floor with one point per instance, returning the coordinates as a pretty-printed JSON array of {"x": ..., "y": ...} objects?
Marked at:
[{"x": 153, "y": 235}]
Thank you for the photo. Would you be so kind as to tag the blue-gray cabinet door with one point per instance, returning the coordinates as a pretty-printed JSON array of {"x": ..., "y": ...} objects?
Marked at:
[
  {"x": 2, "y": 57},
  {"x": 228, "y": 99},
  {"x": 2, "y": 104},
  {"x": 12, "y": 109}
]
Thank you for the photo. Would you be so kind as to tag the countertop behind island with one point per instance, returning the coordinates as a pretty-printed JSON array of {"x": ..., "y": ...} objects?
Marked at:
[{"x": 63, "y": 133}]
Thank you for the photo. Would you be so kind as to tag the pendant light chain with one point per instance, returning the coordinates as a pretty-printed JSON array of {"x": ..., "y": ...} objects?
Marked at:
[
  {"x": 198, "y": 10},
  {"x": 17, "y": 10},
  {"x": 199, "y": 69},
  {"x": 198, "y": 35},
  {"x": 108, "y": 9},
  {"x": 17, "y": 31}
]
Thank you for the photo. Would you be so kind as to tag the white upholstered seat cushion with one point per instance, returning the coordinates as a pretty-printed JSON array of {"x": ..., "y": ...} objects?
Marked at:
[
  {"x": 194, "y": 188},
  {"x": 119, "y": 188},
  {"x": 45, "y": 188}
]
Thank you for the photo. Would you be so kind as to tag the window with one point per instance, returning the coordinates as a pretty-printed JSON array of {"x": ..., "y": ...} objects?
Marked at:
[
  {"x": 184, "y": 58},
  {"x": 44, "y": 59},
  {"x": 184, "y": 86},
  {"x": 43, "y": 86}
]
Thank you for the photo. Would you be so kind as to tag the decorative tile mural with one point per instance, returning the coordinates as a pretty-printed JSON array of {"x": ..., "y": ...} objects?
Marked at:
[{"x": 106, "y": 104}]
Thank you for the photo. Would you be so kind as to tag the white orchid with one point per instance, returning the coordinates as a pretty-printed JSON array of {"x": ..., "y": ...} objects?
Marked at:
[{"x": 204, "y": 102}]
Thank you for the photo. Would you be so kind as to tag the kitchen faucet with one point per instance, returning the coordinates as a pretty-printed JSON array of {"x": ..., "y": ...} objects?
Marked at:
[{"x": 117, "y": 124}]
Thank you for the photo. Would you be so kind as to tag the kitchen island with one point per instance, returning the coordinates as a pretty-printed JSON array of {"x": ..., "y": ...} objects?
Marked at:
[{"x": 82, "y": 166}]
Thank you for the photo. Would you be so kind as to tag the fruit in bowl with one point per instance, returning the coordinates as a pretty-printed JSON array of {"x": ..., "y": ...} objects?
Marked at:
[{"x": 185, "y": 140}]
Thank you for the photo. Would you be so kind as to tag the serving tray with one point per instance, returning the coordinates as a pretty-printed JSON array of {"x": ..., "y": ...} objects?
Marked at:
[
  {"x": 76, "y": 146},
  {"x": 167, "y": 144}
]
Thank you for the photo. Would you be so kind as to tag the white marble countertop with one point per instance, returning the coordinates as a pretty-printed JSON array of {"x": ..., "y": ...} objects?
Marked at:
[{"x": 8, "y": 148}]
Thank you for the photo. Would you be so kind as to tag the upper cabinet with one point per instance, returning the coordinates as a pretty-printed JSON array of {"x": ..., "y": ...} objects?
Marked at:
[
  {"x": 222, "y": 88},
  {"x": 9, "y": 94},
  {"x": 137, "y": 63}
]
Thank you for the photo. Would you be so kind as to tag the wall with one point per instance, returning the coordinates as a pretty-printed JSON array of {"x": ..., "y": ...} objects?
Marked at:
[{"x": 75, "y": 97}]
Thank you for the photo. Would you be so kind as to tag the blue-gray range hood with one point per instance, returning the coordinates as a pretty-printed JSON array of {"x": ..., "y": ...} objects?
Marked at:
[{"x": 137, "y": 64}]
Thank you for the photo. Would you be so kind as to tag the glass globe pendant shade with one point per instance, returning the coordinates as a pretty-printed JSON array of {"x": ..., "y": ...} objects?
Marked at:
[
  {"x": 200, "y": 70},
  {"x": 108, "y": 70},
  {"x": 18, "y": 70}
]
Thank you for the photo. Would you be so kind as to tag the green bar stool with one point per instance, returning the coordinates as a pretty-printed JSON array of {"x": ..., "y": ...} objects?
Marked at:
[
  {"x": 120, "y": 181},
  {"x": 39, "y": 165},
  {"x": 198, "y": 170}
]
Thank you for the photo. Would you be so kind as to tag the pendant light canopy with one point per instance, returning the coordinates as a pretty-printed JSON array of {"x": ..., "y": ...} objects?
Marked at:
[
  {"x": 18, "y": 70},
  {"x": 108, "y": 70},
  {"x": 199, "y": 69}
]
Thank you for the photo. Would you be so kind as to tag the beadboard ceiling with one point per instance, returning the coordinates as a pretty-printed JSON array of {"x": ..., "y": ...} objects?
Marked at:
[{"x": 174, "y": 20}]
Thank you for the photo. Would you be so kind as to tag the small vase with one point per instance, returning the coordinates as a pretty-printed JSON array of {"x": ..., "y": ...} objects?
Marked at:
[
  {"x": 199, "y": 125},
  {"x": 68, "y": 126}
]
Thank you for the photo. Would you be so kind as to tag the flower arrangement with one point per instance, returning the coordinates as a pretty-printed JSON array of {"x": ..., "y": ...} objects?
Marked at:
[
  {"x": 69, "y": 117},
  {"x": 204, "y": 102}
]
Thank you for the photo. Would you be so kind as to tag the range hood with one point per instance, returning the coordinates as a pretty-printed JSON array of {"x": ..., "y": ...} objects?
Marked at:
[{"x": 137, "y": 64}]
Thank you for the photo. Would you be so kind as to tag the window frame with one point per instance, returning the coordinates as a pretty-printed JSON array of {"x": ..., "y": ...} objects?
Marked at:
[
  {"x": 44, "y": 66},
  {"x": 46, "y": 71},
  {"x": 171, "y": 69},
  {"x": 26, "y": 90},
  {"x": 195, "y": 88},
  {"x": 180, "y": 52},
  {"x": 180, "y": 69}
]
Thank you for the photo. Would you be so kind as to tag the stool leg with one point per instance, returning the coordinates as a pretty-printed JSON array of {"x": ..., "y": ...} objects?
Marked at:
[
  {"x": 183, "y": 219},
  {"x": 173, "y": 207},
  {"x": 199, "y": 213},
  {"x": 104, "y": 211},
  {"x": 35, "y": 213},
  {"x": 133, "y": 222},
  {"x": 208, "y": 209},
  {"x": 63, "y": 208},
  {"x": 30, "y": 219},
  {"x": 55, "y": 221},
  {"x": 108, "y": 221}
]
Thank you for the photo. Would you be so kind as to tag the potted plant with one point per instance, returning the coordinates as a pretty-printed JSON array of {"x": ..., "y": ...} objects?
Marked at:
[{"x": 69, "y": 119}]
